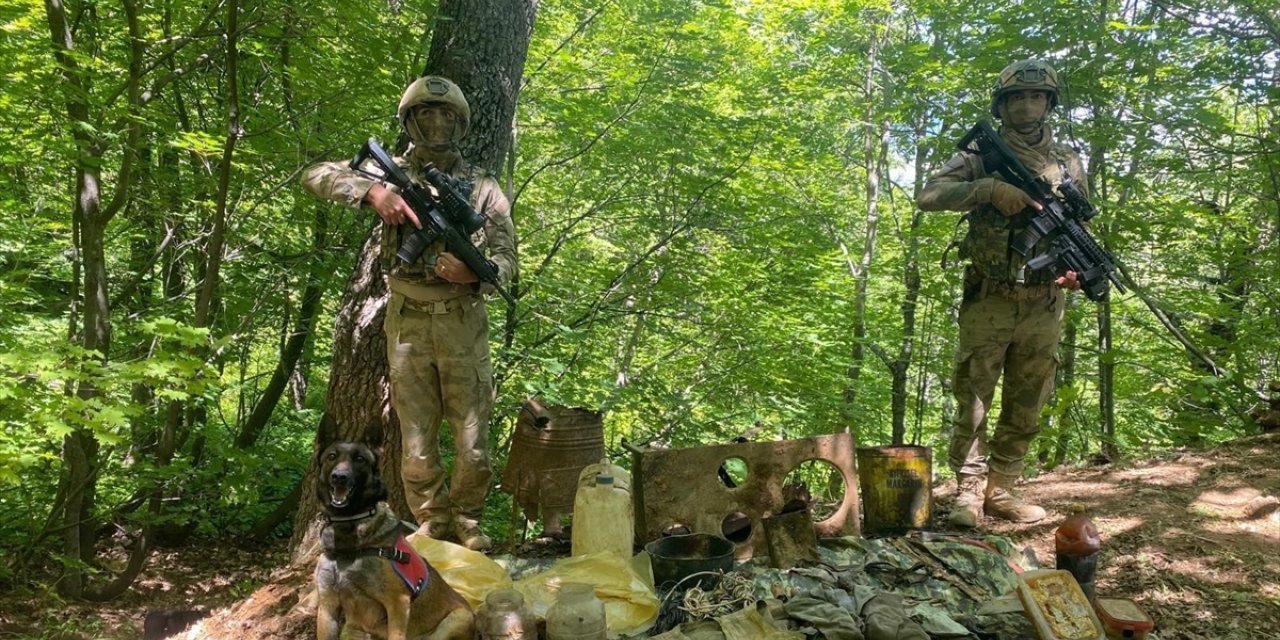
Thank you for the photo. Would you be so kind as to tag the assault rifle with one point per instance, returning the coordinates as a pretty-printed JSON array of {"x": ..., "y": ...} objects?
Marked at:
[
  {"x": 1071, "y": 248},
  {"x": 445, "y": 214}
]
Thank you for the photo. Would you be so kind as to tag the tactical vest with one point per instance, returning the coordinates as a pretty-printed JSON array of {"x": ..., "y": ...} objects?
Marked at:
[
  {"x": 422, "y": 271},
  {"x": 988, "y": 243}
]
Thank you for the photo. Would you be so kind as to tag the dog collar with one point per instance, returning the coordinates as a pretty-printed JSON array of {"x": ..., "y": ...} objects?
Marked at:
[{"x": 360, "y": 516}]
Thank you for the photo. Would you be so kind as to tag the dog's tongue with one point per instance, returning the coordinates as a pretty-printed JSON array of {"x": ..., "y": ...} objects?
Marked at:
[{"x": 339, "y": 496}]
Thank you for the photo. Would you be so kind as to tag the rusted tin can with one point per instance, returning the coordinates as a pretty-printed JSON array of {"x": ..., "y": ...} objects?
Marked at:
[
  {"x": 897, "y": 488},
  {"x": 544, "y": 462}
]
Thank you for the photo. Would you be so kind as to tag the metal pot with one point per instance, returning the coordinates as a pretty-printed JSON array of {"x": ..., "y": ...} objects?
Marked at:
[{"x": 677, "y": 557}]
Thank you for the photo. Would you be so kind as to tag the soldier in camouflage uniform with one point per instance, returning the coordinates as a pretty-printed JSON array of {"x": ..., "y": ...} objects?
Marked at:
[
  {"x": 1010, "y": 317},
  {"x": 436, "y": 325}
]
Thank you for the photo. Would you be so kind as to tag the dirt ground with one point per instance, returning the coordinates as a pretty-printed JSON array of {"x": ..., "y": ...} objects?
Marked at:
[{"x": 1194, "y": 537}]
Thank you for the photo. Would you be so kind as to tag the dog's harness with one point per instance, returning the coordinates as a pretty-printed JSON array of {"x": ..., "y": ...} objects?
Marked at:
[
  {"x": 405, "y": 561},
  {"x": 409, "y": 565}
]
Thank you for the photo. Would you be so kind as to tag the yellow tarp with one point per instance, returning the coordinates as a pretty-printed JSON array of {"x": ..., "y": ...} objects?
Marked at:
[
  {"x": 471, "y": 573},
  {"x": 630, "y": 605}
]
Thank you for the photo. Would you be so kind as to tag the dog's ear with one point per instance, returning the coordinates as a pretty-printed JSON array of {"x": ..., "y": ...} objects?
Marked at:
[
  {"x": 377, "y": 490},
  {"x": 321, "y": 447},
  {"x": 378, "y": 450},
  {"x": 322, "y": 483}
]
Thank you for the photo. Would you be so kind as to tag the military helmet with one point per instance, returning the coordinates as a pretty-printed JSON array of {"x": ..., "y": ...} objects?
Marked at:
[
  {"x": 435, "y": 90},
  {"x": 1025, "y": 75}
]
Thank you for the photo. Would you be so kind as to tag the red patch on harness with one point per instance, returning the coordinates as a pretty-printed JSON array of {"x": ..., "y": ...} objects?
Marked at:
[{"x": 410, "y": 567}]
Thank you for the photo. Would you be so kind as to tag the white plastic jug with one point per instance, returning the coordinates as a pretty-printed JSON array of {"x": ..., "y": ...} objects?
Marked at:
[
  {"x": 603, "y": 519},
  {"x": 621, "y": 478}
]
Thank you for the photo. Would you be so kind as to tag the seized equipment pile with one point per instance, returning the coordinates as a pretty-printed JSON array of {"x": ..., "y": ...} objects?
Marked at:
[{"x": 785, "y": 585}]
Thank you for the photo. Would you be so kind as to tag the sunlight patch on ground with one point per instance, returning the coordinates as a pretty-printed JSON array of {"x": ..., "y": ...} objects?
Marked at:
[
  {"x": 1170, "y": 595},
  {"x": 158, "y": 584},
  {"x": 1111, "y": 527},
  {"x": 1201, "y": 558},
  {"x": 1170, "y": 475},
  {"x": 1244, "y": 508},
  {"x": 1266, "y": 537},
  {"x": 1089, "y": 493},
  {"x": 1229, "y": 498}
]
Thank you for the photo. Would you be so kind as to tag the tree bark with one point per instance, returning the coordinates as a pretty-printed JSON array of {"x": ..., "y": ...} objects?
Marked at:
[
  {"x": 482, "y": 46},
  {"x": 1106, "y": 383},
  {"x": 357, "y": 402},
  {"x": 1066, "y": 379},
  {"x": 78, "y": 479}
]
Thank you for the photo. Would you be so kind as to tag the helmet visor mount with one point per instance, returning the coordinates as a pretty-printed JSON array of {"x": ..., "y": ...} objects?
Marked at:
[{"x": 437, "y": 86}]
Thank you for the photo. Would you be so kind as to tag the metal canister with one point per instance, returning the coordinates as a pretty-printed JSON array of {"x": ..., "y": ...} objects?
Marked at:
[{"x": 897, "y": 488}]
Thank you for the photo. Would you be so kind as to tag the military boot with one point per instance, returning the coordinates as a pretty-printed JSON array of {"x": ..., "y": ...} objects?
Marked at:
[
  {"x": 1002, "y": 503},
  {"x": 968, "y": 507},
  {"x": 470, "y": 535},
  {"x": 437, "y": 530}
]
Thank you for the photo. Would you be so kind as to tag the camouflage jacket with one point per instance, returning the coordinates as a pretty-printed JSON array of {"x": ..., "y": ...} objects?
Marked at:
[
  {"x": 987, "y": 243},
  {"x": 335, "y": 181}
]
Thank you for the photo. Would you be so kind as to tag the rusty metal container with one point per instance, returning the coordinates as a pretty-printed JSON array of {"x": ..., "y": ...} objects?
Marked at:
[
  {"x": 544, "y": 463},
  {"x": 897, "y": 488}
]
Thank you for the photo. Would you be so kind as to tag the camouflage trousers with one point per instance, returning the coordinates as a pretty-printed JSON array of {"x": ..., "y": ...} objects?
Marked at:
[
  {"x": 1012, "y": 331},
  {"x": 440, "y": 369}
]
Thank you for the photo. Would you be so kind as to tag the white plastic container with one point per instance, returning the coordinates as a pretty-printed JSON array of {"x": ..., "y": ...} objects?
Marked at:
[
  {"x": 621, "y": 478},
  {"x": 603, "y": 519},
  {"x": 577, "y": 614}
]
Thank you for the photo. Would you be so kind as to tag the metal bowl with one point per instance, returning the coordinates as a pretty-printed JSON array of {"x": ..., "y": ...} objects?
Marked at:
[{"x": 677, "y": 557}]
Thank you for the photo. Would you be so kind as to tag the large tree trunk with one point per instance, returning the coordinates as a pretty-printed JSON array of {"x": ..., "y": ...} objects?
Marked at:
[
  {"x": 357, "y": 404},
  {"x": 482, "y": 47}
]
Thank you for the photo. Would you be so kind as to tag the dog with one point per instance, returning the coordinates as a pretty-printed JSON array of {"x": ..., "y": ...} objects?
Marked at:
[{"x": 368, "y": 577}]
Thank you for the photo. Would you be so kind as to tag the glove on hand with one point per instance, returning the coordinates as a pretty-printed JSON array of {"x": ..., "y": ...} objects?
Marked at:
[{"x": 1009, "y": 199}]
